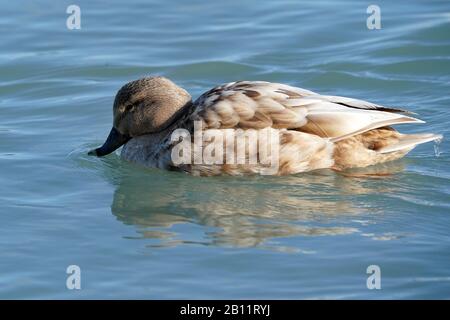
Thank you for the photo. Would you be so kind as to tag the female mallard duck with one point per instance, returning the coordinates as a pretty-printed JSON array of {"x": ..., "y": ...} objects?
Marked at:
[{"x": 314, "y": 131}]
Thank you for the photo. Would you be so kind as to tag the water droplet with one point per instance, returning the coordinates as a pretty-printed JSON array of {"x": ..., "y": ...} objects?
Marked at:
[{"x": 437, "y": 151}]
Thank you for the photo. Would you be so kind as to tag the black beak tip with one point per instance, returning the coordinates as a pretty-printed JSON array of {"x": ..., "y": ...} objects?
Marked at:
[
  {"x": 113, "y": 142},
  {"x": 93, "y": 152}
]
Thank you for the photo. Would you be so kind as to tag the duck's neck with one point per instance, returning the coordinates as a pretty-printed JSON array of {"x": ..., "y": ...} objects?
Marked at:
[{"x": 178, "y": 118}]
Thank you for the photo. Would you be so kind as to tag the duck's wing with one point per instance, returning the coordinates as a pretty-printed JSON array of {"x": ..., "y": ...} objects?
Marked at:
[{"x": 260, "y": 104}]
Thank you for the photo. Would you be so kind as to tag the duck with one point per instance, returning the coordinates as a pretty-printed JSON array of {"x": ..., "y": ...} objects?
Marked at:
[{"x": 312, "y": 131}]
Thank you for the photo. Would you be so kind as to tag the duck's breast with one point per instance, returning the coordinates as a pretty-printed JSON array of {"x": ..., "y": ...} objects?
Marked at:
[{"x": 146, "y": 150}]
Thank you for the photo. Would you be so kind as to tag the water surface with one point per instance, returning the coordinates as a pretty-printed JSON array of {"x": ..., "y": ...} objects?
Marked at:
[{"x": 146, "y": 233}]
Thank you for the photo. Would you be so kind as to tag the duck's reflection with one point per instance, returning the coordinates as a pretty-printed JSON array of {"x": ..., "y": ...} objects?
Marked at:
[{"x": 173, "y": 208}]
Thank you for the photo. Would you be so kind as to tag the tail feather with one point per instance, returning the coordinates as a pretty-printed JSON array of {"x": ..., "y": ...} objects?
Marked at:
[
  {"x": 409, "y": 141},
  {"x": 337, "y": 122}
]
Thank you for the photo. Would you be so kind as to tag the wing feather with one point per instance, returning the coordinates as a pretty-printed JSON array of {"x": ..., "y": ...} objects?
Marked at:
[{"x": 259, "y": 104}]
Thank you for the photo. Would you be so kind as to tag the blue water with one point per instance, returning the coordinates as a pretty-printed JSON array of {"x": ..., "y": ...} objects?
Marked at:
[{"x": 146, "y": 233}]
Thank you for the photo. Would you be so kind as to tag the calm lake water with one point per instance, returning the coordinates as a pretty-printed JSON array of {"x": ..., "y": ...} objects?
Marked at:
[{"x": 146, "y": 233}]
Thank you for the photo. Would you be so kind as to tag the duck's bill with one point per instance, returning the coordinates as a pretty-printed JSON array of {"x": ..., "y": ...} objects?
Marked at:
[{"x": 114, "y": 141}]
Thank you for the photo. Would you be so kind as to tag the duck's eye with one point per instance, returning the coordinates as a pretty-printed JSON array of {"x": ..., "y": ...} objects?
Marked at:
[{"x": 129, "y": 108}]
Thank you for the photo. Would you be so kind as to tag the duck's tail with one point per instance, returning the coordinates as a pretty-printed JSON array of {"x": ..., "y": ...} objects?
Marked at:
[
  {"x": 377, "y": 146},
  {"x": 409, "y": 141}
]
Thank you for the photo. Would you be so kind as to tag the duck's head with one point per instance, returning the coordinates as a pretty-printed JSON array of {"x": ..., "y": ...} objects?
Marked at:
[{"x": 143, "y": 106}]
